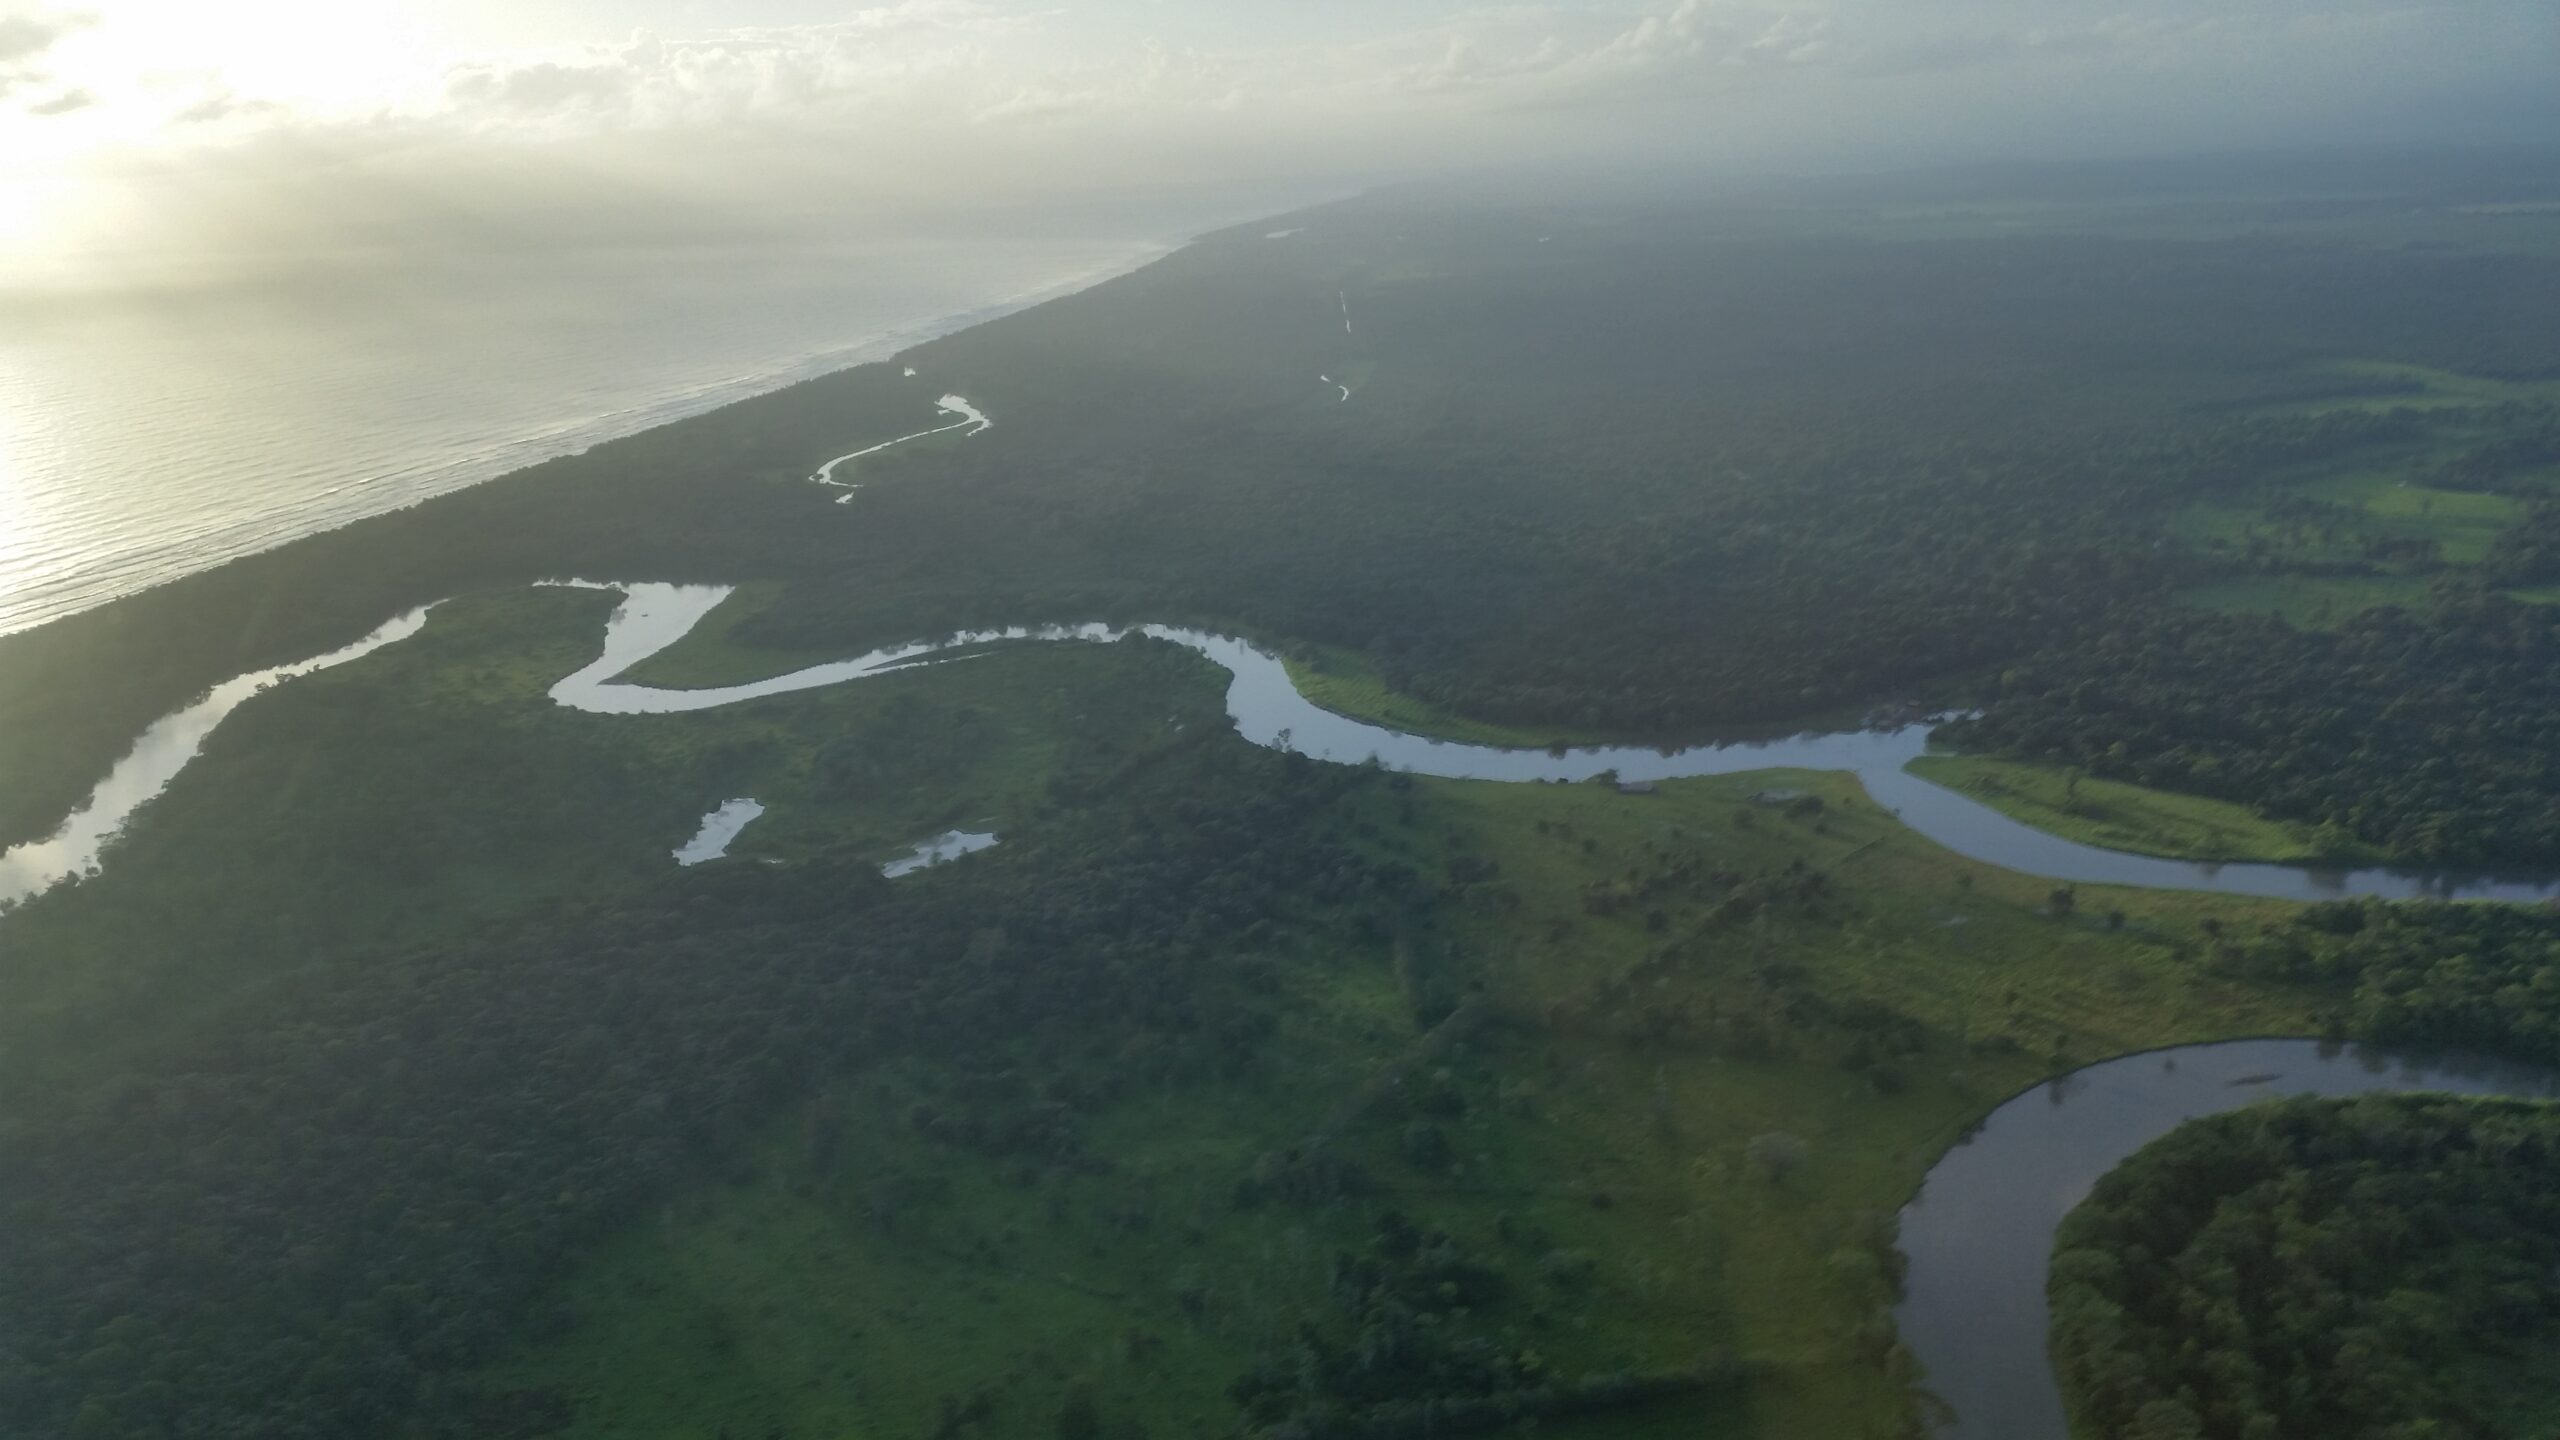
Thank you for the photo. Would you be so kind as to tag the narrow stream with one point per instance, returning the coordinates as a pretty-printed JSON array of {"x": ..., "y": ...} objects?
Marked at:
[{"x": 971, "y": 421}]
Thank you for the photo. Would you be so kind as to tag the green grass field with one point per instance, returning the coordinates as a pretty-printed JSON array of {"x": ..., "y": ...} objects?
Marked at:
[
  {"x": 1346, "y": 683},
  {"x": 2127, "y": 817},
  {"x": 2392, "y": 385},
  {"x": 2317, "y": 543},
  {"x": 2310, "y": 601}
]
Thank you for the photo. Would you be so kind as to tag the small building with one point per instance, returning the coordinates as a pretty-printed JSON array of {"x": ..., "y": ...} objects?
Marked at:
[{"x": 1635, "y": 787}]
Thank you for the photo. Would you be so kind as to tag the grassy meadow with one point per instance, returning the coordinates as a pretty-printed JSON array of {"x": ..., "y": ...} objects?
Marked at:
[
  {"x": 2315, "y": 543},
  {"x": 2119, "y": 816}
]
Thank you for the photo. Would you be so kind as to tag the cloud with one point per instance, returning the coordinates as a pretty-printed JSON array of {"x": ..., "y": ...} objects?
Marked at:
[
  {"x": 25, "y": 37},
  {"x": 222, "y": 105},
  {"x": 1696, "y": 40},
  {"x": 972, "y": 68},
  {"x": 938, "y": 52},
  {"x": 945, "y": 107},
  {"x": 64, "y": 103},
  {"x": 25, "y": 40},
  {"x": 1518, "y": 58},
  {"x": 912, "y": 17},
  {"x": 543, "y": 87}
]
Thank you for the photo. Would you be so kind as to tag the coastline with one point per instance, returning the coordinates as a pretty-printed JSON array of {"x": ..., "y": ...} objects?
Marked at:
[
  {"x": 76, "y": 689},
  {"x": 360, "y": 497}
]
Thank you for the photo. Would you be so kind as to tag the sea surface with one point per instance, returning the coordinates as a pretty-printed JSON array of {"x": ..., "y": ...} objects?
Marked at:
[{"x": 149, "y": 434}]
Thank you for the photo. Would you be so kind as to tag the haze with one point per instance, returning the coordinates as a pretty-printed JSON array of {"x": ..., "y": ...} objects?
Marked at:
[{"x": 141, "y": 139}]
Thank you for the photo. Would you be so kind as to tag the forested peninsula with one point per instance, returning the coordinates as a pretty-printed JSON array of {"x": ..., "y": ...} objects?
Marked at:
[{"x": 2370, "y": 1267}]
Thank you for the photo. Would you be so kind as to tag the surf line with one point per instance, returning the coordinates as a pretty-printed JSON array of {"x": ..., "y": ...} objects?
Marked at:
[{"x": 972, "y": 419}]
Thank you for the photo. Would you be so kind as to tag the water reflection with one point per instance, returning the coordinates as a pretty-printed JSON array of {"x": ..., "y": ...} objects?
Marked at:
[
  {"x": 720, "y": 827},
  {"x": 162, "y": 751},
  {"x": 950, "y": 845}
]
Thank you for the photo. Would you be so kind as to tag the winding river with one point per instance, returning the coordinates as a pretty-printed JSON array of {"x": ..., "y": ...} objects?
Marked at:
[
  {"x": 1980, "y": 1229},
  {"x": 1268, "y": 710}
]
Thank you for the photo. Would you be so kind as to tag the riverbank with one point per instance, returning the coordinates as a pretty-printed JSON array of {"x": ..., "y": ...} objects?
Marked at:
[{"x": 2117, "y": 816}]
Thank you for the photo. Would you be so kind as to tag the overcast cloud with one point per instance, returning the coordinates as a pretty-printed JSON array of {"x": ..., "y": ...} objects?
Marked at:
[
  {"x": 954, "y": 104},
  {"x": 24, "y": 40}
]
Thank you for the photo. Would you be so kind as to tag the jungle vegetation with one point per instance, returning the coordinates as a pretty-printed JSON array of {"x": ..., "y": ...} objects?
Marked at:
[
  {"x": 391, "y": 1080},
  {"x": 1673, "y": 470},
  {"x": 2375, "y": 1267}
]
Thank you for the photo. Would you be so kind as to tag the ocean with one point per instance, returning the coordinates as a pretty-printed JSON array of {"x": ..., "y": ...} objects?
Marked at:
[{"x": 147, "y": 435}]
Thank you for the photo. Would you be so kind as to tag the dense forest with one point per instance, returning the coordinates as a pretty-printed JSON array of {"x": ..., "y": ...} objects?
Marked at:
[
  {"x": 309, "y": 1144},
  {"x": 2428, "y": 734},
  {"x": 305, "y": 1225},
  {"x": 1677, "y": 469},
  {"x": 2433, "y": 976},
  {"x": 2319, "y": 1270}
]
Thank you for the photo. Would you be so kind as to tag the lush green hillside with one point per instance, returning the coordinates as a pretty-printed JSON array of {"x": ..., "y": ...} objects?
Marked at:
[{"x": 2315, "y": 1268}]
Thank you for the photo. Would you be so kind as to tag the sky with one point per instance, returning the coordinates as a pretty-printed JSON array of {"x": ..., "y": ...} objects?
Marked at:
[{"x": 154, "y": 133}]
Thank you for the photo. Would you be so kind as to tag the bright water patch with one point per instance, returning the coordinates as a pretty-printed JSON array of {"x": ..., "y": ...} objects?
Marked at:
[
  {"x": 719, "y": 828},
  {"x": 949, "y": 845}
]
